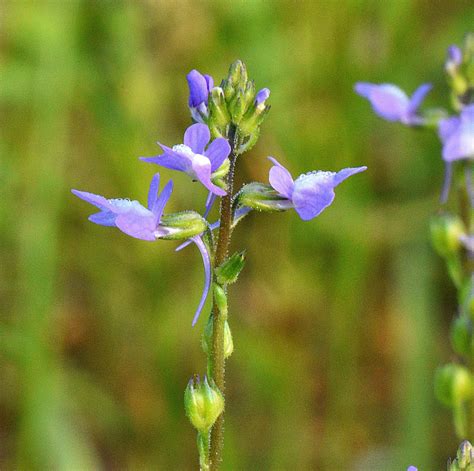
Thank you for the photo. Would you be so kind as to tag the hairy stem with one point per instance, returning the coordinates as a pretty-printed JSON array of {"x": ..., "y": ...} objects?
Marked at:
[{"x": 217, "y": 359}]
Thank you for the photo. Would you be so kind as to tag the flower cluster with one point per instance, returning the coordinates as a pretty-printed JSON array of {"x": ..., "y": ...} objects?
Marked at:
[{"x": 214, "y": 111}]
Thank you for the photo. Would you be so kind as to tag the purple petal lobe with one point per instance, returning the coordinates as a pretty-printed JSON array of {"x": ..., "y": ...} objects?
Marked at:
[
  {"x": 458, "y": 135},
  {"x": 455, "y": 55},
  {"x": 446, "y": 127},
  {"x": 412, "y": 468},
  {"x": 209, "y": 82},
  {"x": 217, "y": 152},
  {"x": 207, "y": 275},
  {"x": 418, "y": 97},
  {"x": 387, "y": 100},
  {"x": 202, "y": 170},
  {"x": 196, "y": 137},
  {"x": 313, "y": 192},
  {"x": 261, "y": 96},
  {"x": 198, "y": 88},
  {"x": 104, "y": 218},
  {"x": 138, "y": 222},
  {"x": 346, "y": 173},
  {"x": 172, "y": 160},
  {"x": 153, "y": 191},
  {"x": 159, "y": 205},
  {"x": 280, "y": 179},
  {"x": 211, "y": 197},
  {"x": 97, "y": 200}
]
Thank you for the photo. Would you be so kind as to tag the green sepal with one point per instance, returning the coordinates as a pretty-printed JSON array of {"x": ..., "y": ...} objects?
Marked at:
[
  {"x": 229, "y": 270},
  {"x": 446, "y": 230},
  {"x": 262, "y": 198},
  {"x": 222, "y": 171},
  {"x": 183, "y": 225},
  {"x": 219, "y": 118}
]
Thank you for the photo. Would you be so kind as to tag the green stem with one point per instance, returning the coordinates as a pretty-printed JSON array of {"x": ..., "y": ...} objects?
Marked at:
[
  {"x": 203, "y": 447},
  {"x": 217, "y": 359}
]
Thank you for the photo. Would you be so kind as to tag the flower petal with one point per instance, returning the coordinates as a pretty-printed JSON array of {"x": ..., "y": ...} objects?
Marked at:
[
  {"x": 418, "y": 97},
  {"x": 209, "y": 82},
  {"x": 104, "y": 218},
  {"x": 313, "y": 193},
  {"x": 153, "y": 191},
  {"x": 346, "y": 173},
  {"x": 97, "y": 200},
  {"x": 171, "y": 160},
  {"x": 196, "y": 137},
  {"x": 217, "y": 152},
  {"x": 211, "y": 197},
  {"x": 198, "y": 88},
  {"x": 387, "y": 100},
  {"x": 202, "y": 169},
  {"x": 161, "y": 201},
  {"x": 460, "y": 145},
  {"x": 280, "y": 179},
  {"x": 446, "y": 127},
  {"x": 261, "y": 96},
  {"x": 139, "y": 222},
  {"x": 207, "y": 275}
]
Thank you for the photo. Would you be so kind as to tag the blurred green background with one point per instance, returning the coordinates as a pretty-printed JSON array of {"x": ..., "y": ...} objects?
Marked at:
[{"x": 338, "y": 323}]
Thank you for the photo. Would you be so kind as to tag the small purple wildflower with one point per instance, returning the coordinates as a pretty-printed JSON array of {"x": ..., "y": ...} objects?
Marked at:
[
  {"x": 130, "y": 216},
  {"x": 310, "y": 193},
  {"x": 391, "y": 103},
  {"x": 457, "y": 135},
  {"x": 412, "y": 468},
  {"x": 192, "y": 157},
  {"x": 144, "y": 223},
  {"x": 199, "y": 87}
]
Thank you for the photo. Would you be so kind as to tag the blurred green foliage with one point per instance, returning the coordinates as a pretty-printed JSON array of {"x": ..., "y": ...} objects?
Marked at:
[{"x": 338, "y": 323}]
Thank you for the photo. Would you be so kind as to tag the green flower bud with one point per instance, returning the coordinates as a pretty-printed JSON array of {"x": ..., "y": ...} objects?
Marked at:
[
  {"x": 219, "y": 118},
  {"x": 453, "y": 384},
  {"x": 446, "y": 230},
  {"x": 262, "y": 198},
  {"x": 207, "y": 338},
  {"x": 461, "y": 335},
  {"x": 183, "y": 225},
  {"x": 229, "y": 271},
  {"x": 464, "y": 460},
  {"x": 237, "y": 78},
  {"x": 203, "y": 403}
]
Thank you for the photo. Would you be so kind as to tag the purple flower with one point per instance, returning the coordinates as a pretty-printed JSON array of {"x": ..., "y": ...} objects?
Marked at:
[
  {"x": 457, "y": 135},
  {"x": 454, "y": 57},
  {"x": 412, "y": 468},
  {"x": 130, "y": 216},
  {"x": 199, "y": 87},
  {"x": 145, "y": 223},
  {"x": 311, "y": 193},
  {"x": 192, "y": 157},
  {"x": 391, "y": 103}
]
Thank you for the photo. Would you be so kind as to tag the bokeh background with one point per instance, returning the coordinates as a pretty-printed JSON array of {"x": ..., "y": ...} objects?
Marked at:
[{"x": 338, "y": 323}]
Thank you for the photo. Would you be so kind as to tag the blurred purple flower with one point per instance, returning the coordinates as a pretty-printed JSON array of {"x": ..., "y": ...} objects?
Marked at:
[
  {"x": 144, "y": 223},
  {"x": 130, "y": 216},
  {"x": 192, "y": 157},
  {"x": 199, "y": 87},
  {"x": 310, "y": 193},
  {"x": 457, "y": 135},
  {"x": 454, "y": 57},
  {"x": 412, "y": 468},
  {"x": 391, "y": 103}
]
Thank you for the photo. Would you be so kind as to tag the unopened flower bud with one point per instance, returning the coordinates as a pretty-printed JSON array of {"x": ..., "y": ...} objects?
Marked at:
[
  {"x": 219, "y": 117},
  {"x": 183, "y": 225},
  {"x": 229, "y": 271},
  {"x": 446, "y": 231},
  {"x": 464, "y": 460},
  {"x": 461, "y": 335},
  {"x": 262, "y": 198},
  {"x": 207, "y": 338},
  {"x": 237, "y": 78},
  {"x": 453, "y": 384},
  {"x": 203, "y": 403}
]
